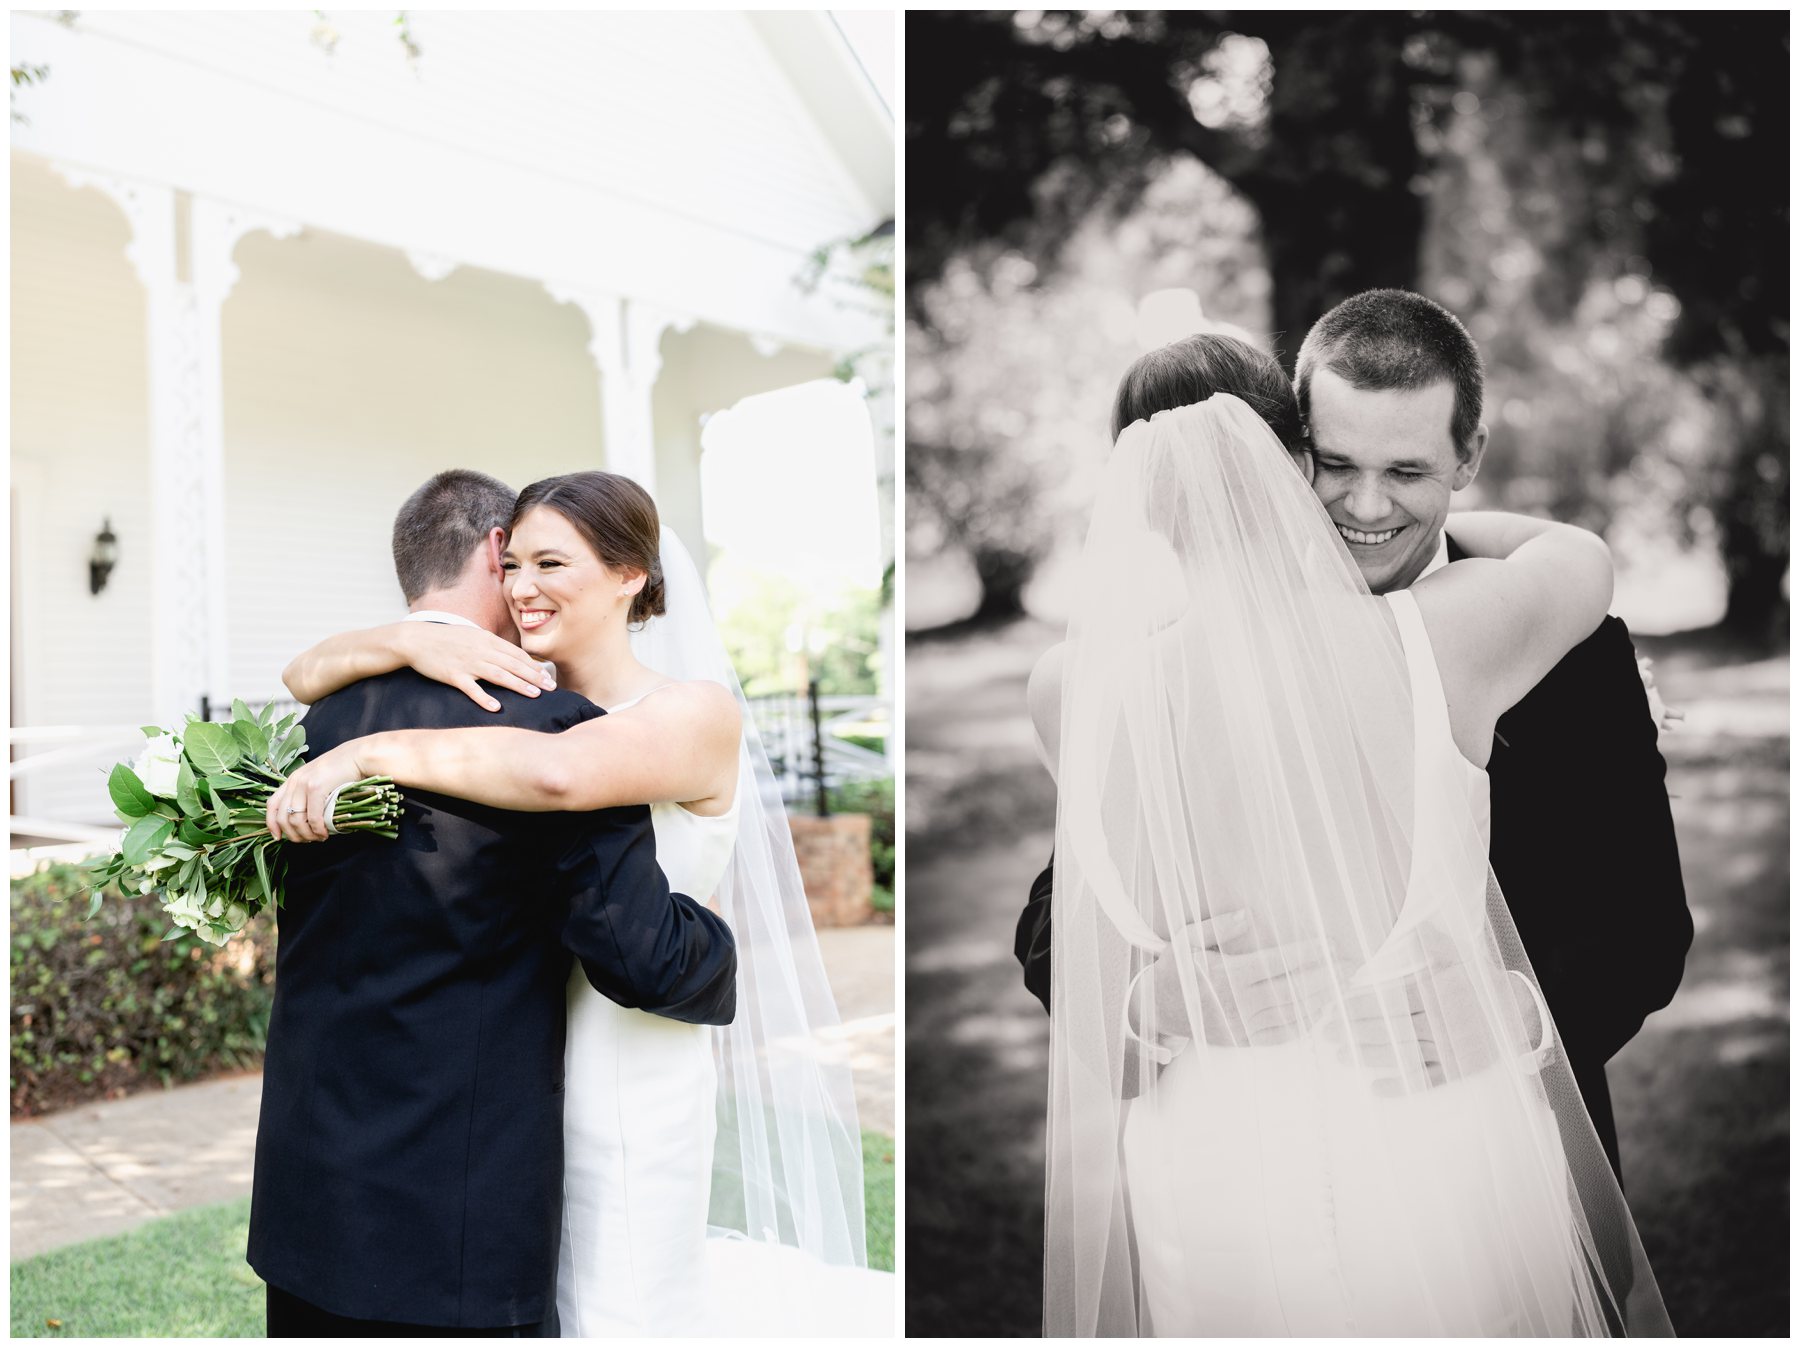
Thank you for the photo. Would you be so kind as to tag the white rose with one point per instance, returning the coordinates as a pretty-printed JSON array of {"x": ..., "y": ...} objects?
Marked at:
[
  {"x": 159, "y": 765},
  {"x": 212, "y": 935},
  {"x": 186, "y": 909}
]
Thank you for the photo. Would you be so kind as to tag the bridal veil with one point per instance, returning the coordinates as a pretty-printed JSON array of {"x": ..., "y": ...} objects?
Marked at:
[
  {"x": 1301, "y": 1078},
  {"x": 787, "y": 1165}
]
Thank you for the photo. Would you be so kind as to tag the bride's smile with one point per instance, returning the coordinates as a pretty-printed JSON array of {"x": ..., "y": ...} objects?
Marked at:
[{"x": 563, "y": 598}]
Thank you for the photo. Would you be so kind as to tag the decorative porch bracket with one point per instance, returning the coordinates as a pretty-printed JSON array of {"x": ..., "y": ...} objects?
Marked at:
[{"x": 626, "y": 350}]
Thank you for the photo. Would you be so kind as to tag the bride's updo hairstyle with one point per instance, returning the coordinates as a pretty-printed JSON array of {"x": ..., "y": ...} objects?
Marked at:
[
  {"x": 616, "y": 517},
  {"x": 1194, "y": 368}
]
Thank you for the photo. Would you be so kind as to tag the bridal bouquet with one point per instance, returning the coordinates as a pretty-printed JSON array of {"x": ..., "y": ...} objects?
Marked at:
[
  {"x": 1664, "y": 715},
  {"x": 194, "y": 807}
]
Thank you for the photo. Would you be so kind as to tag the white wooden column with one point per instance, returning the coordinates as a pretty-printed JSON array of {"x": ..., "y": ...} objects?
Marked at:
[
  {"x": 214, "y": 231},
  {"x": 184, "y": 602},
  {"x": 185, "y": 291},
  {"x": 626, "y": 350},
  {"x": 645, "y": 325}
]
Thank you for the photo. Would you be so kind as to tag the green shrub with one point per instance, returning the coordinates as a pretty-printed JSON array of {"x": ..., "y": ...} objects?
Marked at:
[
  {"x": 873, "y": 743},
  {"x": 875, "y": 799},
  {"x": 106, "y": 1006}
]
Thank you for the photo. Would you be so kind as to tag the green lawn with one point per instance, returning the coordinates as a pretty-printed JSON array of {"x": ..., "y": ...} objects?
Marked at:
[
  {"x": 180, "y": 1277},
  {"x": 878, "y": 1198},
  {"x": 185, "y": 1277}
]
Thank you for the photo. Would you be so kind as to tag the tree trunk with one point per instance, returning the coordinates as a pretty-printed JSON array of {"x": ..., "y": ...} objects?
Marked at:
[
  {"x": 1339, "y": 212},
  {"x": 1753, "y": 515},
  {"x": 1004, "y": 574}
]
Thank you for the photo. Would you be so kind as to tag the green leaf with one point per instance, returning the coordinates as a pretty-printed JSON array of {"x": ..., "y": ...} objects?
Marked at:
[
  {"x": 249, "y": 734},
  {"x": 229, "y": 781},
  {"x": 186, "y": 794},
  {"x": 221, "y": 810},
  {"x": 262, "y": 868},
  {"x": 143, "y": 838},
  {"x": 285, "y": 748},
  {"x": 240, "y": 710},
  {"x": 129, "y": 796},
  {"x": 175, "y": 933},
  {"x": 211, "y": 747},
  {"x": 94, "y": 904},
  {"x": 191, "y": 833},
  {"x": 152, "y": 732}
]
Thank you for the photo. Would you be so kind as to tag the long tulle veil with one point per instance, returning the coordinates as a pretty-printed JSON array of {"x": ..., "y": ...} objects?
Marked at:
[
  {"x": 1239, "y": 734},
  {"x": 787, "y": 1164}
]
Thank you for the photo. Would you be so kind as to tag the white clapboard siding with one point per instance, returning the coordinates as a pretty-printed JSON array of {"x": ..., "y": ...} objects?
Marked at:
[
  {"x": 348, "y": 382},
  {"x": 80, "y": 422}
]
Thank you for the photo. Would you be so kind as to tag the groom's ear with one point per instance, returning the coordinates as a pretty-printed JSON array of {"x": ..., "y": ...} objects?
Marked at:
[
  {"x": 1468, "y": 465},
  {"x": 496, "y": 544}
]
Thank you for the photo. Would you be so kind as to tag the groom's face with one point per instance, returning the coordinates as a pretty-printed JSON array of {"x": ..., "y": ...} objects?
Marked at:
[{"x": 1385, "y": 466}]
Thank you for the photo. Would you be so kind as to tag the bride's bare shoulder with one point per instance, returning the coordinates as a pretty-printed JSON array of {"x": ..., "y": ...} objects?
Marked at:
[
  {"x": 713, "y": 703},
  {"x": 1043, "y": 696},
  {"x": 694, "y": 707}
]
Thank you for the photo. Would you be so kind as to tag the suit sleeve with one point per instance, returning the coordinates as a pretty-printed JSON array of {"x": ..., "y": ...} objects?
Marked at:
[
  {"x": 1031, "y": 942},
  {"x": 1627, "y": 961},
  {"x": 638, "y": 943}
]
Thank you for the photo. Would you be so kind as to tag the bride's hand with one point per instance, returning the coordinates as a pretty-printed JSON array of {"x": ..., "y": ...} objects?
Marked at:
[
  {"x": 459, "y": 656},
  {"x": 296, "y": 811}
]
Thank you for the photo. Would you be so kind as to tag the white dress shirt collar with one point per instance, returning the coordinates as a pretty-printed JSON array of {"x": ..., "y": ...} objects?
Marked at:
[{"x": 434, "y": 615}]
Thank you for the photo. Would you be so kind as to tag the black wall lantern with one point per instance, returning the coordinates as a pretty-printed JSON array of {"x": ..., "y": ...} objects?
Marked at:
[{"x": 104, "y": 558}]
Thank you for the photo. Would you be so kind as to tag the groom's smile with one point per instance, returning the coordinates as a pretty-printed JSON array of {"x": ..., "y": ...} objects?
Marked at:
[
  {"x": 1360, "y": 539},
  {"x": 1384, "y": 466}
]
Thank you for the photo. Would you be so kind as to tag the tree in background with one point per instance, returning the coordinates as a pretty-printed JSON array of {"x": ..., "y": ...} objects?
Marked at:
[
  {"x": 1631, "y": 136},
  {"x": 780, "y": 632}
]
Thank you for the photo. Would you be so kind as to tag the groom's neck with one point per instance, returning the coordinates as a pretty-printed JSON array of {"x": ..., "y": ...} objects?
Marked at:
[
  {"x": 478, "y": 609},
  {"x": 1406, "y": 579}
]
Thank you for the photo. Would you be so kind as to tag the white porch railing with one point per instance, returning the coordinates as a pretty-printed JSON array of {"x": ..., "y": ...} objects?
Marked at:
[
  {"x": 802, "y": 748},
  {"x": 66, "y": 744}
]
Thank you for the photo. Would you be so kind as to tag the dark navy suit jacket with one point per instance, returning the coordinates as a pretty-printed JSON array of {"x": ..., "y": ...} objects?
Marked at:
[{"x": 409, "y": 1154}]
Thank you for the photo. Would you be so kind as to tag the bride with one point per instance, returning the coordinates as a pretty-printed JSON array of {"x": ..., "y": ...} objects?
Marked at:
[
  {"x": 1302, "y": 1080},
  {"x": 713, "y": 1179}
]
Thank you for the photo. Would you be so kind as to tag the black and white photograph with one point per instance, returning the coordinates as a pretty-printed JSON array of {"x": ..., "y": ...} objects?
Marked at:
[
  {"x": 453, "y": 699},
  {"x": 1347, "y": 673}
]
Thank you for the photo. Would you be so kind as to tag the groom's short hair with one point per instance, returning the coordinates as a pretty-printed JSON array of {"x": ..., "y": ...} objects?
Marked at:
[
  {"x": 442, "y": 523},
  {"x": 1395, "y": 339}
]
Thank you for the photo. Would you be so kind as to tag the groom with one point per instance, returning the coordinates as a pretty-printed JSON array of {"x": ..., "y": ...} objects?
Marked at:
[
  {"x": 1583, "y": 844},
  {"x": 409, "y": 1155}
]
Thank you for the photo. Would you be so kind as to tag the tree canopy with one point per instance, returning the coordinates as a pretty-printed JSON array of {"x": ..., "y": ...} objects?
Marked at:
[{"x": 1647, "y": 147}]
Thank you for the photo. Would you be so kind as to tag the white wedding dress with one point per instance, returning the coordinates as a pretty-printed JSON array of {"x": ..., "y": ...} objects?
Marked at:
[
  {"x": 1371, "y": 1127},
  {"x": 1315, "y": 1244},
  {"x": 639, "y": 1121}
]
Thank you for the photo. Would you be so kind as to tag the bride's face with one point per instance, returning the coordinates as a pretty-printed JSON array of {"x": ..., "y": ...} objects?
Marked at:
[{"x": 561, "y": 595}]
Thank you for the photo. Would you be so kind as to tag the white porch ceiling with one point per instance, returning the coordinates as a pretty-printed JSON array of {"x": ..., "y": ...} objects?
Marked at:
[{"x": 688, "y": 159}]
